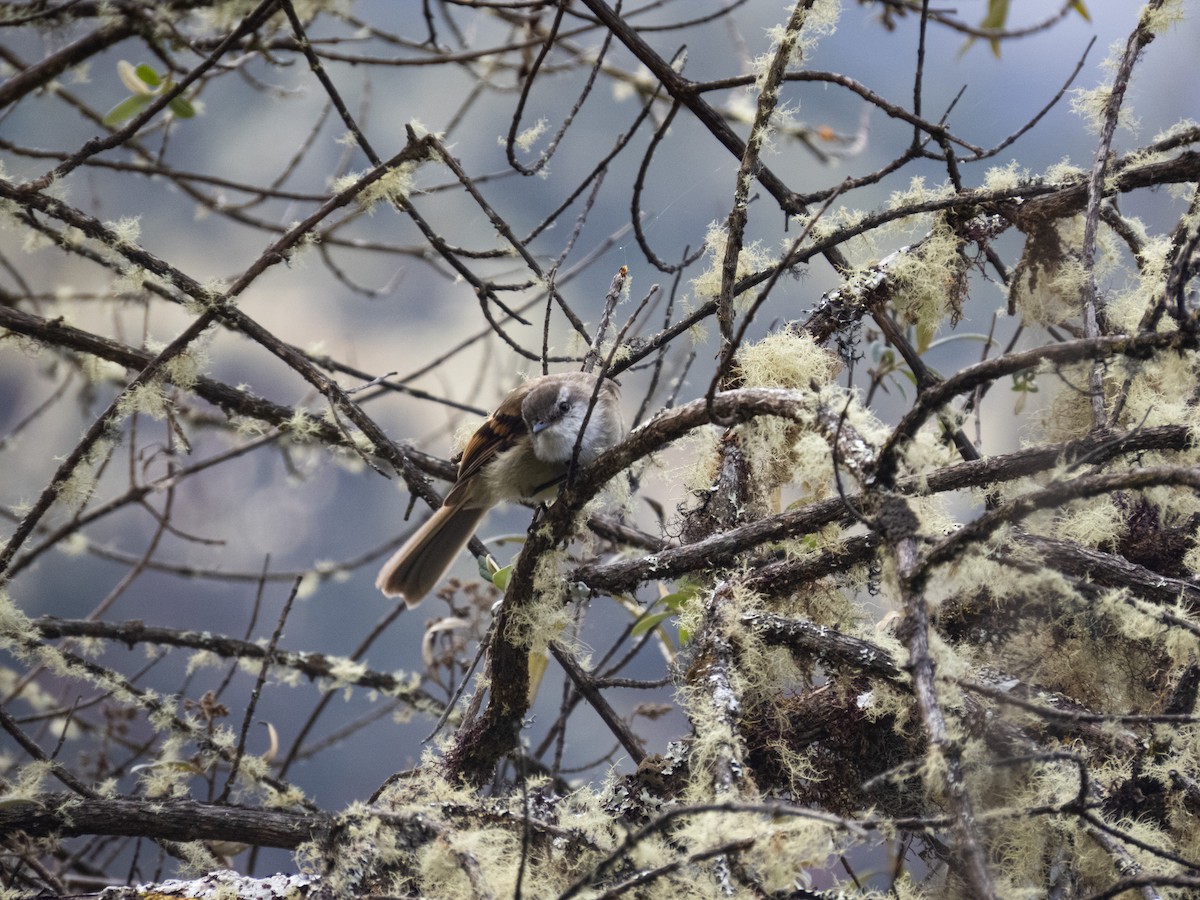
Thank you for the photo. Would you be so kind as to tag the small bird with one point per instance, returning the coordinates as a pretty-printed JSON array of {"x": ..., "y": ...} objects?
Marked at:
[{"x": 520, "y": 452}]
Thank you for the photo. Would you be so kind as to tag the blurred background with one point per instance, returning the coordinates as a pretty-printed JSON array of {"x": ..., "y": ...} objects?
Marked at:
[{"x": 374, "y": 296}]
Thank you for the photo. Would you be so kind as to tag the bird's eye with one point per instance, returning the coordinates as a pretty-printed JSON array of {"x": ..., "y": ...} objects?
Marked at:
[{"x": 563, "y": 406}]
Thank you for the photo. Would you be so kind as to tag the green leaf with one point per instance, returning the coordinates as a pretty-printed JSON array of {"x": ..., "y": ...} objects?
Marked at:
[
  {"x": 181, "y": 108},
  {"x": 997, "y": 14},
  {"x": 996, "y": 17},
  {"x": 538, "y": 661},
  {"x": 127, "y": 109},
  {"x": 648, "y": 623},
  {"x": 501, "y": 577},
  {"x": 982, "y": 338},
  {"x": 148, "y": 75},
  {"x": 127, "y": 72},
  {"x": 1078, "y": 6},
  {"x": 1025, "y": 382},
  {"x": 925, "y": 335},
  {"x": 176, "y": 764},
  {"x": 676, "y": 600}
]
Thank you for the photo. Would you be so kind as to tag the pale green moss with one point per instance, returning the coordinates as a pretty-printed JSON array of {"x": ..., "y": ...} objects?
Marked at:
[
  {"x": 929, "y": 281},
  {"x": 1092, "y": 106},
  {"x": 149, "y": 398},
  {"x": 774, "y": 446},
  {"x": 1064, "y": 172},
  {"x": 1160, "y": 391},
  {"x": 1065, "y": 415},
  {"x": 1005, "y": 178},
  {"x": 1157, "y": 19},
  {"x": 1051, "y": 279},
  {"x": 752, "y": 258},
  {"x": 79, "y": 485},
  {"x": 183, "y": 369},
  {"x": 30, "y": 781},
  {"x": 1091, "y": 523},
  {"x": 1125, "y": 309},
  {"x": 203, "y": 659},
  {"x": 527, "y": 138},
  {"x": 787, "y": 360},
  {"x": 545, "y": 617},
  {"x": 393, "y": 188}
]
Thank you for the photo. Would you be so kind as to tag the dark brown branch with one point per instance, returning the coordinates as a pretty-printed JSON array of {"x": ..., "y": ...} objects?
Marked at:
[
  {"x": 57, "y": 333},
  {"x": 586, "y": 685},
  {"x": 38, "y": 75},
  {"x": 313, "y": 666},
  {"x": 899, "y": 531},
  {"x": 1113, "y": 570},
  {"x": 1101, "y": 161},
  {"x": 827, "y": 646},
  {"x": 1055, "y": 495},
  {"x": 684, "y": 91},
  {"x": 721, "y": 549},
  {"x": 1059, "y": 354},
  {"x": 173, "y": 820}
]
